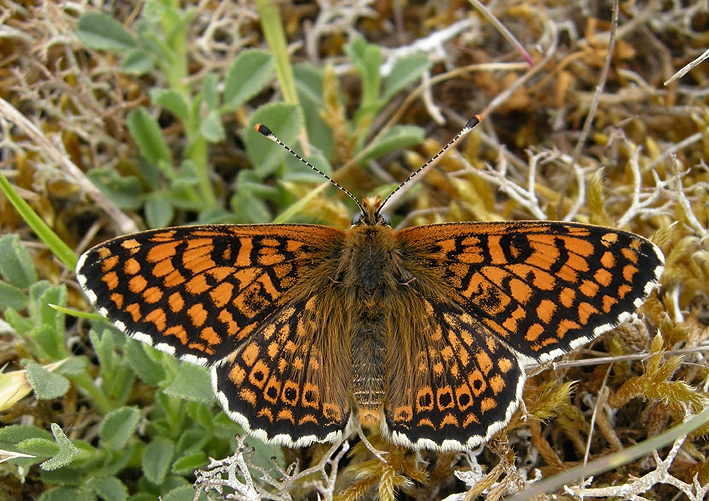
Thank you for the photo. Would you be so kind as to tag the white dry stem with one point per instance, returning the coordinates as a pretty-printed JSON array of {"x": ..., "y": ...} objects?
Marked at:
[
  {"x": 681, "y": 199},
  {"x": 211, "y": 478},
  {"x": 335, "y": 17},
  {"x": 687, "y": 67},
  {"x": 238, "y": 469},
  {"x": 525, "y": 196},
  {"x": 579, "y": 173},
  {"x": 677, "y": 314},
  {"x": 633, "y": 488},
  {"x": 639, "y": 207},
  {"x": 433, "y": 45}
]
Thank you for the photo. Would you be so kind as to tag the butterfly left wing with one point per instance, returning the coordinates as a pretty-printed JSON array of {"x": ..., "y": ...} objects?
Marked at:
[
  {"x": 451, "y": 386},
  {"x": 543, "y": 288}
]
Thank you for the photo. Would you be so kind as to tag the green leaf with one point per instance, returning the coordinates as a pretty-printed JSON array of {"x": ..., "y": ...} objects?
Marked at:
[
  {"x": 12, "y": 297},
  {"x": 103, "y": 346},
  {"x": 405, "y": 72},
  {"x": 157, "y": 458},
  {"x": 158, "y": 210},
  {"x": 285, "y": 121},
  {"x": 248, "y": 208},
  {"x": 137, "y": 62},
  {"x": 148, "y": 370},
  {"x": 172, "y": 101},
  {"x": 118, "y": 427},
  {"x": 20, "y": 324},
  {"x": 101, "y": 32},
  {"x": 211, "y": 127},
  {"x": 209, "y": 91},
  {"x": 148, "y": 136},
  {"x": 399, "y": 136},
  {"x": 14, "y": 434},
  {"x": 194, "y": 440},
  {"x": 48, "y": 331},
  {"x": 39, "y": 447},
  {"x": 190, "y": 462},
  {"x": 16, "y": 264},
  {"x": 125, "y": 192},
  {"x": 46, "y": 385},
  {"x": 309, "y": 84},
  {"x": 247, "y": 76},
  {"x": 42, "y": 295},
  {"x": 183, "y": 493},
  {"x": 108, "y": 488},
  {"x": 117, "y": 376},
  {"x": 191, "y": 383},
  {"x": 367, "y": 58},
  {"x": 67, "y": 494},
  {"x": 67, "y": 451},
  {"x": 265, "y": 453},
  {"x": 73, "y": 366}
]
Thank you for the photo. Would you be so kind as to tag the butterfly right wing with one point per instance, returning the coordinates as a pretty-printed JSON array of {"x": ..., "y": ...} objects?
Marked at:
[
  {"x": 196, "y": 292},
  {"x": 494, "y": 297},
  {"x": 244, "y": 300},
  {"x": 543, "y": 287}
]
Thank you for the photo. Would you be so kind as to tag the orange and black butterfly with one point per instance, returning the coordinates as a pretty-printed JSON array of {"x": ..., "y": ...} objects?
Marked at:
[{"x": 425, "y": 332}]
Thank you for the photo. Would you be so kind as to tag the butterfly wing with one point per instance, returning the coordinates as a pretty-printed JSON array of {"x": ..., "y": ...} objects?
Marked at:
[
  {"x": 543, "y": 288},
  {"x": 491, "y": 299},
  {"x": 241, "y": 299},
  {"x": 289, "y": 383},
  {"x": 197, "y": 291},
  {"x": 462, "y": 384}
]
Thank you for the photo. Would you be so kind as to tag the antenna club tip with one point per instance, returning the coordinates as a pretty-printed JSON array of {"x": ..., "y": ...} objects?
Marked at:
[
  {"x": 473, "y": 122},
  {"x": 262, "y": 129}
]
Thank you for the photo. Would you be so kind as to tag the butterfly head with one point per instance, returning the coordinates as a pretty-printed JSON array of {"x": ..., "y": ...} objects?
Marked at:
[{"x": 370, "y": 215}]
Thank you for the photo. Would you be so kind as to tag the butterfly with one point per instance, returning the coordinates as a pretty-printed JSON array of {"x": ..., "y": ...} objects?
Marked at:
[{"x": 310, "y": 331}]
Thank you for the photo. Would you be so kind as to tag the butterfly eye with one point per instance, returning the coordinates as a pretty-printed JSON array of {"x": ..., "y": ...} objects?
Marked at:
[
  {"x": 385, "y": 219},
  {"x": 356, "y": 218}
]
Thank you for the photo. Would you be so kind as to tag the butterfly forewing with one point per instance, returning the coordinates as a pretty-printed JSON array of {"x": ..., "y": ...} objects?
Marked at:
[
  {"x": 542, "y": 287},
  {"x": 197, "y": 291}
]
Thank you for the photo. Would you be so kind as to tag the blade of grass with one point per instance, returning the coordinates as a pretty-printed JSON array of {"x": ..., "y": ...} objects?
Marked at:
[
  {"x": 276, "y": 39},
  {"x": 613, "y": 461},
  {"x": 44, "y": 232}
]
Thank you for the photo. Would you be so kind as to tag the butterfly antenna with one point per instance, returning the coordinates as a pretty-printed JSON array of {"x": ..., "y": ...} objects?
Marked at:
[
  {"x": 261, "y": 128},
  {"x": 468, "y": 127}
]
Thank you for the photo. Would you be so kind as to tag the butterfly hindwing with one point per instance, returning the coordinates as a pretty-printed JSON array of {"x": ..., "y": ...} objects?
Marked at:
[
  {"x": 198, "y": 291},
  {"x": 289, "y": 383},
  {"x": 543, "y": 288},
  {"x": 463, "y": 387}
]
